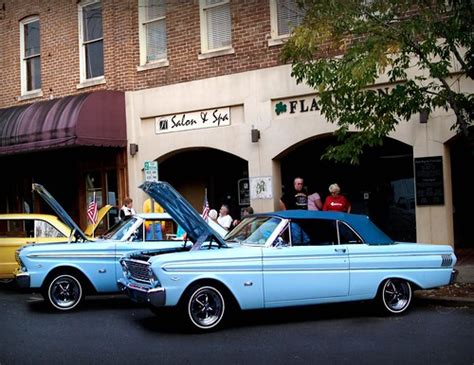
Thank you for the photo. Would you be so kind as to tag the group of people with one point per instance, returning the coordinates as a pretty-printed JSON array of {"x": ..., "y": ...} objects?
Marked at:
[
  {"x": 297, "y": 198},
  {"x": 223, "y": 221}
]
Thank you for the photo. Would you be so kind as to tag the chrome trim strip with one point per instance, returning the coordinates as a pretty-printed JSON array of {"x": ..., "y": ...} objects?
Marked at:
[{"x": 71, "y": 255}]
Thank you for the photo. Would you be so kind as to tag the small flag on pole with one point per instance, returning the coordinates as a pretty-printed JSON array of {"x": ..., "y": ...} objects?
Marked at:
[
  {"x": 92, "y": 211},
  {"x": 205, "y": 207}
]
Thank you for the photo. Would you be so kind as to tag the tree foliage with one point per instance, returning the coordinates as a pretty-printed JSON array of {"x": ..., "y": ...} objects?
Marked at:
[{"x": 420, "y": 48}]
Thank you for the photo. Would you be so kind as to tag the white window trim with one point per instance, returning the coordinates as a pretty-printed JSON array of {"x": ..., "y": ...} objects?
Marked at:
[
  {"x": 83, "y": 81},
  {"x": 203, "y": 24},
  {"x": 144, "y": 65},
  {"x": 26, "y": 94},
  {"x": 275, "y": 39}
]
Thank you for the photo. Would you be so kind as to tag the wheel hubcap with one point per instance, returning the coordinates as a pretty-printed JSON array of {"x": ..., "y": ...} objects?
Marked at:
[
  {"x": 65, "y": 292},
  {"x": 397, "y": 295},
  {"x": 206, "y": 307}
]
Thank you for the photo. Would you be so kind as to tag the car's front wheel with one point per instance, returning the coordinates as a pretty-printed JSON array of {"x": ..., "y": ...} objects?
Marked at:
[
  {"x": 205, "y": 307},
  {"x": 395, "y": 295},
  {"x": 64, "y": 291}
]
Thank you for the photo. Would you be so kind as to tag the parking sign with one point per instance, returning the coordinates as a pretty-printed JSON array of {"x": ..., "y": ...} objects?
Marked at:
[{"x": 151, "y": 170}]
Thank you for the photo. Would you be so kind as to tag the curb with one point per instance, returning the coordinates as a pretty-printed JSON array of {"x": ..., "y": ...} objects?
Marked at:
[{"x": 446, "y": 301}]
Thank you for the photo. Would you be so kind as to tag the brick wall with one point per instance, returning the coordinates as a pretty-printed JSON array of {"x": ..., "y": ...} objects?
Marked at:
[{"x": 60, "y": 46}]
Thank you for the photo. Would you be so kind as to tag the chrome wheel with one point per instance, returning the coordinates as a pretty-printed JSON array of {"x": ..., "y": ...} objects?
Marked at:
[
  {"x": 65, "y": 292},
  {"x": 206, "y": 307},
  {"x": 396, "y": 295}
]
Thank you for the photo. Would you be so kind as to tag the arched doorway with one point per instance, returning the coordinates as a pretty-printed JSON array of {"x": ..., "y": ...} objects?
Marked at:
[
  {"x": 191, "y": 171},
  {"x": 462, "y": 161},
  {"x": 381, "y": 186}
]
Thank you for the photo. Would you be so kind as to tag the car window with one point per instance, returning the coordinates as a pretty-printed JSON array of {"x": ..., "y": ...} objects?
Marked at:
[
  {"x": 44, "y": 229},
  {"x": 16, "y": 228},
  {"x": 347, "y": 235},
  {"x": 313, "y": 232},
  {"x": 253, "y": 230},
  {"x": 120, "y": 230},
  {"x": 160, "y": 230}
]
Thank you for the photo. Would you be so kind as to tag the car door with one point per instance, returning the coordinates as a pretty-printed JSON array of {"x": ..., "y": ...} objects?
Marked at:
[
  {"x": 14, "y": 234},
  {"x": 306, "y": 265}
]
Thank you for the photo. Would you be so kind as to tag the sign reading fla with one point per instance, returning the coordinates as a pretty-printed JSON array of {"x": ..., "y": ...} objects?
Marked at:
[{"x": 297, "y": 106}]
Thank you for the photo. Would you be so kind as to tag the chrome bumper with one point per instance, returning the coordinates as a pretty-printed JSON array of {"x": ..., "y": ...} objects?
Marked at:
[
  {"x": 141, "y": 294},
  {"x": 454, "y": 275},
  {"x": 23, "y": 280}
]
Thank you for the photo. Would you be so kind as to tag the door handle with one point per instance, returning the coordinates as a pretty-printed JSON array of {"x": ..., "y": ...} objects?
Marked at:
[{"x": 343, "y": 250}]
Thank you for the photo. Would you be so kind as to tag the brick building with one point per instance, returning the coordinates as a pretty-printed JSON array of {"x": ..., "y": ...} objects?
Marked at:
[{"x": 205, "y": 95}]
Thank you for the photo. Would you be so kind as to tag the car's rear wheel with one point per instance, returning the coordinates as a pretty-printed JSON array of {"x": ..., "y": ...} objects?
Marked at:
[
  {"x": 395, "y": 295},
  {"x": 64, "y": 291},
  {"x": 204, "y": 306}
]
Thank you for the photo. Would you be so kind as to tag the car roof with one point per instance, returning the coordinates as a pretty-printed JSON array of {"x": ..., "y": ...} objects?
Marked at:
[{"x": 361, "y": 223}]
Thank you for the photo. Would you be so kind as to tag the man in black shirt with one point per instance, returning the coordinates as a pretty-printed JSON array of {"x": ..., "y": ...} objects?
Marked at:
[{"x": 296, "y": 198}]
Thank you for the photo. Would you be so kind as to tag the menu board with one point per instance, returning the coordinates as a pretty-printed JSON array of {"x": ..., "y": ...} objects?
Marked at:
[
  {"x": 429, "y": 180},
  {"x": 244, "y": 192}
]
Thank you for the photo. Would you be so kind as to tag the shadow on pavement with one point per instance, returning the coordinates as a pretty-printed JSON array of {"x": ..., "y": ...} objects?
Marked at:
[{"x": 168, "y": 321}]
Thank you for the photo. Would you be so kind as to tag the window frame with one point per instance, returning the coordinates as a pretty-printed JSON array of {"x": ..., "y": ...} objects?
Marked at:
[
  {"x": 275, "y": 39},
  {"x": 25, "y": 94},
  {"x": 205, "y": 51},
  {"x": 142, "y": 22},
  {"x": 84, "y": 81}
]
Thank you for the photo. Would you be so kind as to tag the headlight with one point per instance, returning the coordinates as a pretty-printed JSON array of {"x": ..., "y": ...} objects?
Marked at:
[
  {"x": 153, "y": 279},
  {"x": 126, "y": 271},
  {"x": 18, "y": 260}
]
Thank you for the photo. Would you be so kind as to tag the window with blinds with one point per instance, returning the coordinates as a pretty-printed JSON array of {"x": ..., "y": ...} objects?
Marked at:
[
  {"x": 30, "y": 55},
  {"x": 216, "y": 26},
  {"x": 153, "y": 42},
  {"x": 288, "y": 15},
  {"x": 92, "y": 47}
]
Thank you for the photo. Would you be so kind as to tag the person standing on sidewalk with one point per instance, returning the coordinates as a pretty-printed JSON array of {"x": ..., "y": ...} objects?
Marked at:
[
  {"x": 296, "y": 198},
  {"x": 336, "y": 202}
]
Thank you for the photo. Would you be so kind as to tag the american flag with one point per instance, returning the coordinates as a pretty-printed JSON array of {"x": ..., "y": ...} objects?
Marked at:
[
  {"x": 205, "y": 207},
  {"x": 92, "y": 211}
]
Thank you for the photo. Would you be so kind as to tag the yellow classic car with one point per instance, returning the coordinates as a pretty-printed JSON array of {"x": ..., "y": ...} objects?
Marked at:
[{"x": 17, "y": 230}]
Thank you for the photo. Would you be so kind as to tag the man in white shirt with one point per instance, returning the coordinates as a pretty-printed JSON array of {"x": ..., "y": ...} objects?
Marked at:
[{"x": 224, "y": 219}]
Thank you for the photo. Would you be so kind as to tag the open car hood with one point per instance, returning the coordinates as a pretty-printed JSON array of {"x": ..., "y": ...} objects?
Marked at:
[
  {"x": 60, "y": 212},
  {"x": 91, "y": 227},
  {"x": 198, "y": 231}
]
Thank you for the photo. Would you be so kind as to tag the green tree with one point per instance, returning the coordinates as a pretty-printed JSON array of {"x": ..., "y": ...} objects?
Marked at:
[{"x": 422, "y": 48}]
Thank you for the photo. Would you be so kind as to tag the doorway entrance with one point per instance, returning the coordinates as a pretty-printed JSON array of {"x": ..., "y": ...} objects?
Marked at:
[
  {"x": 381, "y": 186},
  {"x": 194, "y": 171}
]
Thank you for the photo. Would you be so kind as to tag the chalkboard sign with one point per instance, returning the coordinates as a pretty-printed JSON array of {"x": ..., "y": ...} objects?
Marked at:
[
  {"x": 429, "y": 181},
  {"x": 244, "y": 191}
]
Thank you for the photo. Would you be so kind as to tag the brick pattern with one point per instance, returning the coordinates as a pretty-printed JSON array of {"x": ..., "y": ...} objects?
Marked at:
[{"x": 60, "y": 46}]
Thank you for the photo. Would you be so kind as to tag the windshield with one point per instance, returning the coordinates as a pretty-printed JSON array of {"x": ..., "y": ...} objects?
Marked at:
[
  {"x": 119, "y": 230},
  {"x": 253, "y": 230}
]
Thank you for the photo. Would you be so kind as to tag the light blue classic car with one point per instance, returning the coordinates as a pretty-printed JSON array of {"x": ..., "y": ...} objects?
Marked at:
[
  {"x": 280, "y": 259},
  {"x": 65, "y": 272}
]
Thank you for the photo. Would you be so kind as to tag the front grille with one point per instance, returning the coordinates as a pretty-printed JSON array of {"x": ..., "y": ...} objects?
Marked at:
[
  {"x": 446, "y": 260},
  {"x": 138, "y": 270}
]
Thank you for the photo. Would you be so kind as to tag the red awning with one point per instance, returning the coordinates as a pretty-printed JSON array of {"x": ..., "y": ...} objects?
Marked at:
[{"x": 90, "y": 119}]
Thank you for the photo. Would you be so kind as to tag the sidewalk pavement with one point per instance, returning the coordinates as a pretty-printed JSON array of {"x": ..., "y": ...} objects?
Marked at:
[{"x": 461, "y": 293}]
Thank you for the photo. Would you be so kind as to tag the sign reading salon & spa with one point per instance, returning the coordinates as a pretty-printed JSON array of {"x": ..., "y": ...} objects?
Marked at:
[{"x": 211, "y": 118}]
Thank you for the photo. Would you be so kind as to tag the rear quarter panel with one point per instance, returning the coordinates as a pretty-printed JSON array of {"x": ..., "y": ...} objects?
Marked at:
[{"x": 420, "y": 264}]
